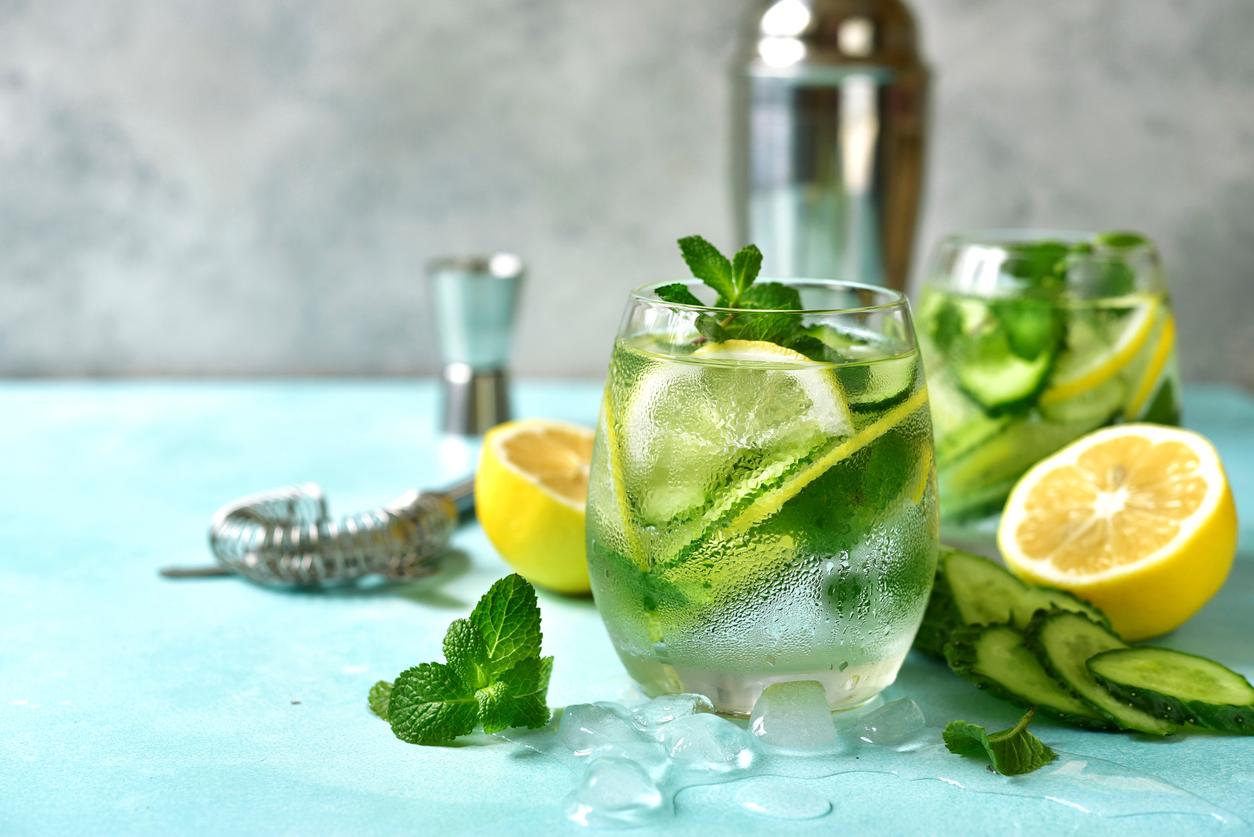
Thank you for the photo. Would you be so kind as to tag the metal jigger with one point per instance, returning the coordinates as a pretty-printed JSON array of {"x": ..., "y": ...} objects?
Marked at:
[{"x": 475, "y": 300}]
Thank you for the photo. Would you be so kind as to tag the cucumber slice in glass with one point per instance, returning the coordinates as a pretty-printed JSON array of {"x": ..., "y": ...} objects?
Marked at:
[{"x": 877, "y": 374}]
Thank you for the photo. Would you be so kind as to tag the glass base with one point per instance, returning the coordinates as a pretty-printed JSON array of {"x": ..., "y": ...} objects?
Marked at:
[{"x": 734, "y": 693}]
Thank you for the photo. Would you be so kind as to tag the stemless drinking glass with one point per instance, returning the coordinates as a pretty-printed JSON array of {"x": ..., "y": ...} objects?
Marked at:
[
  {"x": 1032, "y": 340},
  {"x": 764, "y": 509}
]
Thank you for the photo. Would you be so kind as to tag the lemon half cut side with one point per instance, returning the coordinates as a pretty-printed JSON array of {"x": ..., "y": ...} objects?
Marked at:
[
  {"x": 531, "y": 489},
  {"x": 1139, "y": 519}
]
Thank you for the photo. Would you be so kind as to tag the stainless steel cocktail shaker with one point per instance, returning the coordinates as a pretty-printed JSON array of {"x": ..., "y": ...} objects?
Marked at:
[{"x": 830, "y": 132}]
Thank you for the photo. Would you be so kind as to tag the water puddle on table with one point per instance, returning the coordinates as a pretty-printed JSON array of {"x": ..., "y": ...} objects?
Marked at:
[{"x": 629, "y": 762}]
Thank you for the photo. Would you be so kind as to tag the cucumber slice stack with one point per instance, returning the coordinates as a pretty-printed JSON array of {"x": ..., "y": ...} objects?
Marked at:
[
  {"x": 1037, "y": 646},
  {"x": 971, "y": 590}
]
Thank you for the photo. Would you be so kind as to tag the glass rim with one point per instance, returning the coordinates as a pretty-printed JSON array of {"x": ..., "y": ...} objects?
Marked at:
[
  {"x": 1005, "y": 238},
  {"x": 895, "y": 299}
]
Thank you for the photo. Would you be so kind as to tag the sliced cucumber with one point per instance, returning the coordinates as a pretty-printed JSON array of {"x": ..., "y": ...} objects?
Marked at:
[
  {"x": 879, "y": 374},
  {"x": 995, "y": 658},
  {"x": 991, "y": 373},
  {"x": 961, "y": 425},
  {"x": 972, "y": 590},
  {"x": 1063, "y": 642},
  {"x": 1047, "y": 598},
  {"x": 1183, "y": 687},
  {"x": 984, "y": 593},
  {"x": 888, "y": 381}
]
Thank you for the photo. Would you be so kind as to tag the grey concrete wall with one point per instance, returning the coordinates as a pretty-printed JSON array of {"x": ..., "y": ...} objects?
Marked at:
[{"x": 251, "y": 186}]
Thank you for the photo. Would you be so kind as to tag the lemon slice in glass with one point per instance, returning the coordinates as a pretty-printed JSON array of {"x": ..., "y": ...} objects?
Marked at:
[
  {"x": 1095, "y": 356},
  {"x": 708, "y": 430}
]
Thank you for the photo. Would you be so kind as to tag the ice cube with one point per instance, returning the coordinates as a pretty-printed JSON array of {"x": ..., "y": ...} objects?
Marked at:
[
  {"x": 662, "y": 710},
  {"x": 586, "y": 726},
  {"x": 893, "y": 723},
  {"x": 794, "y": 716},
  {"x": 649, "y": 755},
  {"x": 615, "y": 792},
  {"x": 708, "y": 742}
]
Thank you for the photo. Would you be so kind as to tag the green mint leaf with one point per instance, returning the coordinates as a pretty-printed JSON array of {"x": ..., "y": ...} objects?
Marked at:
[
  {"x": 1039, "y": 264},
  {"x": 520, "y": 703},
  {"x": 430, "y": 704},
  {"x": 466, "y": 654},
  {"x": 773, "y": 296},
  {"x": 710, "y": 266},
  {"x": 677, "y": 293},
  {"x": 1032, "y": 326},
  {"x": 494, "y": 674},
  {"x": 380, "y": 695},
  {"x": 812, "y": 347},
  {"x": 1010, "y": 752},
  {"x": 519, "y": 699},
  {"x": 947, "y": 325},
  {"x": 1120, "y": 240},
  {"x": 530, "y": 687},
  {"x": 496, "y": 707},
  {"x": 773, "y": 328},
  {"x": 711, "y": 329},
  {"x": 508, "y": 621},
  {"x": 745, "y": 267}
]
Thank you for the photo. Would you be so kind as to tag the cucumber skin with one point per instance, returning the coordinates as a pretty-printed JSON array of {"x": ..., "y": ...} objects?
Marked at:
[
  {"x": 1235, "y": 720},
  {"x": 1032, "y": 637},
  {"x": 1082, "y": 607},
  {"x": 961, "y": 655},
  {"x": 941, "y": 618}
]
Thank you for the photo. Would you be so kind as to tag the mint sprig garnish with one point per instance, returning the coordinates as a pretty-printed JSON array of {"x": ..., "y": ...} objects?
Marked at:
[
  {"x": 494, "y": 676},
  {"x": 735, "y": 283},
  {"x": 1010, "y": 752},
  {"x": 379, "y": 698}
]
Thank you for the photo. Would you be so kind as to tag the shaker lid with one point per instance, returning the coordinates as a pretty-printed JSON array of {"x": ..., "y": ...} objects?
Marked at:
[{"x": 790, "y": 34}]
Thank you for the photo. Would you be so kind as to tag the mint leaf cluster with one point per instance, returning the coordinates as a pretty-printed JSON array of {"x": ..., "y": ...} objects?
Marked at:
[
  {"x": 733, "y": 280},
  {"x": 1010, "y": 752},
  {"x": 493, "y": 675}
]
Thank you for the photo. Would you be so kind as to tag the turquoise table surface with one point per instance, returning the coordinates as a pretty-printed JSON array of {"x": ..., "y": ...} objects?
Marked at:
[{"x": 130, "y": 704}]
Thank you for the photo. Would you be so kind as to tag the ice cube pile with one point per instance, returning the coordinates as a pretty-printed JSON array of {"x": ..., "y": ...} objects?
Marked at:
[{"x": 632, "y": 760}]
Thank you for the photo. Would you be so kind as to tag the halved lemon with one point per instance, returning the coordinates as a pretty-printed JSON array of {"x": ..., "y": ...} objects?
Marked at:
[
  {"x": 530, "y": 492},
  {"x": 1138, "y": 519}
]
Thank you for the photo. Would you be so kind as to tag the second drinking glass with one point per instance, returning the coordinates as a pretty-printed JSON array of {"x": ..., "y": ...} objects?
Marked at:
[{"x": 1033, "y": 340}]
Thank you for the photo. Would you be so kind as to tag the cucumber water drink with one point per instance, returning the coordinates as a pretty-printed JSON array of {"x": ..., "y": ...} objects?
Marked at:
[
  {"x": 764, "y": 510},
  {"x": 1032, "y": 343}
]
